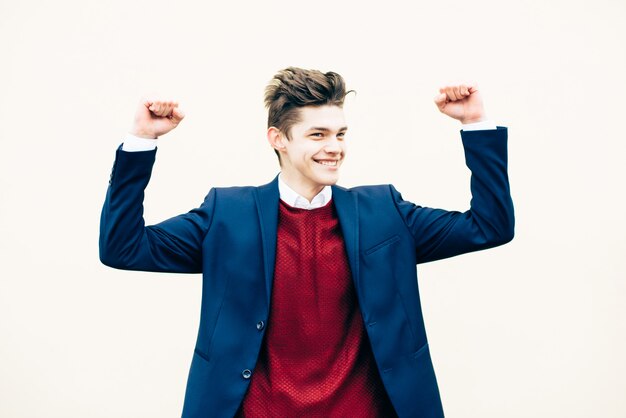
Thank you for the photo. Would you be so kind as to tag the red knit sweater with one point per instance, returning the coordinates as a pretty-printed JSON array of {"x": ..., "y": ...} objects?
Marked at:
[{"x": 316, "y": 360}]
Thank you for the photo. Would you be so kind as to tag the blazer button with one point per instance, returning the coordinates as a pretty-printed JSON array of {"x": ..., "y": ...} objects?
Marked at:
[
  {"x": 246, "y": 374},
  {"x": 260, "y": 325}
]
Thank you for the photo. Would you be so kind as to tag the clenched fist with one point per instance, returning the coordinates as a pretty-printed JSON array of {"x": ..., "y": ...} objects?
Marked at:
[
  {"x": 462, "y": 102},
  {"x": 156, "y": 118}
]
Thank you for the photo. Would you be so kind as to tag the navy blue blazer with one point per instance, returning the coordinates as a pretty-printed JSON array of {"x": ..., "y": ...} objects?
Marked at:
[{"x": 231, "y": 240}]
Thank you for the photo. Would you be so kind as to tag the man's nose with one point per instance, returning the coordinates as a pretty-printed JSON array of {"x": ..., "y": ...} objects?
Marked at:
[{"x": 332, "y": 146}]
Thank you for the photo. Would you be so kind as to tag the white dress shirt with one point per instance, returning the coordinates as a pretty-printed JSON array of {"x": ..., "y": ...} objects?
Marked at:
[{"x": 293, "y": 199}]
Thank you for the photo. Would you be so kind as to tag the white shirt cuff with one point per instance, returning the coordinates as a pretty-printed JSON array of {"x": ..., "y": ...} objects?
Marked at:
[
  {"x": 479, "y": 126},
  {"x": 134, "y": 143}
]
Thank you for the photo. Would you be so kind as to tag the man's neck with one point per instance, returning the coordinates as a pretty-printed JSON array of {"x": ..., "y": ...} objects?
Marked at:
[
  {"x": 306, "y": 191},
  {"x": 296, "y": 200}
]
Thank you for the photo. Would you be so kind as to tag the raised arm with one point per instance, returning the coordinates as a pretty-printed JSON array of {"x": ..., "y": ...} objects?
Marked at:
[
  {"x": 125, "y": 242},
  {"x": 490, "y": 220}
]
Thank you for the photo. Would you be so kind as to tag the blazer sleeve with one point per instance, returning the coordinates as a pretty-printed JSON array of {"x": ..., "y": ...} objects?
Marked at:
[
  {"x": 490, "y": 220},
  {"x": 174, "y": 245}
]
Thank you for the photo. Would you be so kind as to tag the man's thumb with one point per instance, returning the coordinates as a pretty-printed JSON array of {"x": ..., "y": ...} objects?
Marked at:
[
  {"x": 440, "y": 100},
  {"x": 177, "y": 114}
]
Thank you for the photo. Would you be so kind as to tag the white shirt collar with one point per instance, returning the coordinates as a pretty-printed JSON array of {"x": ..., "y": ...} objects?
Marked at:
[{"x": 292, "y": 198}]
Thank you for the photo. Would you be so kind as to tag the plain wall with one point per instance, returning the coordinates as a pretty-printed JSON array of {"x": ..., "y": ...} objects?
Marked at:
[{"x": 535, "y": 328}]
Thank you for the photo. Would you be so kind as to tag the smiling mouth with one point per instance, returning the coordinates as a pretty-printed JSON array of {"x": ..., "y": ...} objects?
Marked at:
[{"x": 328, "y": 163}]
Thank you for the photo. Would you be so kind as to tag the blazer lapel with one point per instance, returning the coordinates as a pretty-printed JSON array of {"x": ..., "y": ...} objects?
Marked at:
[
  {"x": 347, "y": 206},
  {"x": 267, "y": 198}
]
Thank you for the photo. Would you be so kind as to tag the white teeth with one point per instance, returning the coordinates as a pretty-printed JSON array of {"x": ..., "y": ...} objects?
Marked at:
[{"x": 330, "y": 163}]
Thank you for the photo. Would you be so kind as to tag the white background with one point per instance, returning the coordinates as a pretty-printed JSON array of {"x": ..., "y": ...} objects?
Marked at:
[{"x": 535, "y": 328}]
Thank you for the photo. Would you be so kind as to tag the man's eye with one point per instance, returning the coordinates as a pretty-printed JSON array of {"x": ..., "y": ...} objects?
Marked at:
[{"x": 317, "y": 134}]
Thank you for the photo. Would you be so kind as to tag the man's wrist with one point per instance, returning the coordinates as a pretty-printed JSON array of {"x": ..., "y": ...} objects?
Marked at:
[{"x": 142, "y": 134}]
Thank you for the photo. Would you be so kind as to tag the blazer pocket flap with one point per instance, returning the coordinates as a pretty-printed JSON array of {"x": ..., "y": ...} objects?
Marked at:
[{"x": 382, "y": 244}]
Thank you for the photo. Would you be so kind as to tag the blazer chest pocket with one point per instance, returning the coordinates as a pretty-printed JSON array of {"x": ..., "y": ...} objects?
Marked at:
[{"x": 382, "y": 244}]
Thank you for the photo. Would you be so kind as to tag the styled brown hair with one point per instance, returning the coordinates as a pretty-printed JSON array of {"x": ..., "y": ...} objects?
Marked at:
[{"x": 293, "y": 88}]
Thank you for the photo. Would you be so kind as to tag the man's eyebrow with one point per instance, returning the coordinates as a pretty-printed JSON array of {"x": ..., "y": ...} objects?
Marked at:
[{"x": 323, "y": 129}]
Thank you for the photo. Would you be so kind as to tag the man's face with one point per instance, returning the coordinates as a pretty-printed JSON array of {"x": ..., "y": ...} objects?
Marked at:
[{"x": 311, "y": 159}]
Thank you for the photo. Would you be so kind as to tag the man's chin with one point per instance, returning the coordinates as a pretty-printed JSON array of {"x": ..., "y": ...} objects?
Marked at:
[{"x": 328, "y": 180}]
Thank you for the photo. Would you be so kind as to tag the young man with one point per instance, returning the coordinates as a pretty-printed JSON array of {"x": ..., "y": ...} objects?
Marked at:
[{"x": 310, "y": 303}]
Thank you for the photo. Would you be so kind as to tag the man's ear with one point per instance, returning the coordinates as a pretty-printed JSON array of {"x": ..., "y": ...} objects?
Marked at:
[{"x": 276, "y": 138}]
